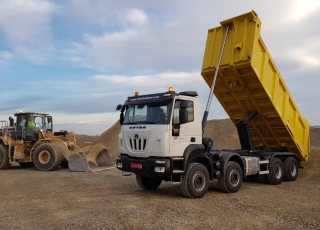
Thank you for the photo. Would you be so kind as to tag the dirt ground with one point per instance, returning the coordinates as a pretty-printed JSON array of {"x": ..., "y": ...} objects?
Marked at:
[{"x": 61, "y": 199}]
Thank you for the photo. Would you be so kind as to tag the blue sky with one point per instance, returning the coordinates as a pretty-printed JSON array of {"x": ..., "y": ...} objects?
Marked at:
[{"x": 77, "y": 60}]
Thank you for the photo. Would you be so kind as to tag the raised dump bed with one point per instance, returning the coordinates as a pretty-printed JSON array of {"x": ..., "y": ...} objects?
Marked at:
[{"x": 249, "y": 81}]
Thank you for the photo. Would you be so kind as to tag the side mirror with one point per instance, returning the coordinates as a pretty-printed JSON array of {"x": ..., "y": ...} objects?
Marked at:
[
  {"x": 121, "y": 118},
  {"x": 119, "y": 107},
  {"x": 183, "y": 116},
  {"x": 184, "y": 104},
  {"x": 49, "y": 119}
]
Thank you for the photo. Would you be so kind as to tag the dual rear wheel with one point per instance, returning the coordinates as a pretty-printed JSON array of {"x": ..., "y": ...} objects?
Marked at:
[{"x": 279, "y": 171}]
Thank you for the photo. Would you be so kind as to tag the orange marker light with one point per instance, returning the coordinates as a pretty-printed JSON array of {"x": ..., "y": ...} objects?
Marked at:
[
  {"x": 136, "y": 94},
  {"x": 171, "y": 89}
]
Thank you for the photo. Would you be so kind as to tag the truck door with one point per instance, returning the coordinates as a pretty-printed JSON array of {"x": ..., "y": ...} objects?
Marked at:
[
  {"x": 182, "y": 135},
  {"x": 48, "y": 123}
]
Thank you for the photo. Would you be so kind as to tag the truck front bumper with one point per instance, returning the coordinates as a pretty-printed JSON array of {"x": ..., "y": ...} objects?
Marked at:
[{"x": 152, "y": 166}]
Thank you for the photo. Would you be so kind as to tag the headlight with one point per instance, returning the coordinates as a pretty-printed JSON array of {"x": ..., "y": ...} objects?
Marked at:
[{"x": 119, "y": 165}]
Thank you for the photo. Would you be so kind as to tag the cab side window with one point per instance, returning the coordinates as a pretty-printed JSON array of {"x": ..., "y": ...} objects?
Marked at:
[
  {"x": 190, "y": 109},
  {"x": 21, "y": 122}
]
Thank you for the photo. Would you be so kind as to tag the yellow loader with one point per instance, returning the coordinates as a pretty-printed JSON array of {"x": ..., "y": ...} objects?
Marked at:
[{"x": 31, "y": 142}]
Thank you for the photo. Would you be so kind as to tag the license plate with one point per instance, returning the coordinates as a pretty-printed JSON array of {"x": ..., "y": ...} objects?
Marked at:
[{"x": 136, "y": 166}]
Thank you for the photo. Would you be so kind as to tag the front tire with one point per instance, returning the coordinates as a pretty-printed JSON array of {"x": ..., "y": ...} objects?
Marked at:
[
  {"x": 46, "y": 157},
  {"x": 231, "y": 181},
  {"x": 195, "y": 182},
  {"x": 148, "y": 183},
  {"x": 4, "y": 158},
  {"x": 276, "y": 174},
  {"x": 290, "y": 169}
]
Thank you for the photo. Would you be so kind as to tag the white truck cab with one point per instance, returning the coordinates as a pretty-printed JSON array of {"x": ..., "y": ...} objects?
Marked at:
[{"x": 151, "y": 126}]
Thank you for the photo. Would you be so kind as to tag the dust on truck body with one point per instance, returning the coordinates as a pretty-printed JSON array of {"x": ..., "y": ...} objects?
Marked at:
[{"x": 161, "y": 136}]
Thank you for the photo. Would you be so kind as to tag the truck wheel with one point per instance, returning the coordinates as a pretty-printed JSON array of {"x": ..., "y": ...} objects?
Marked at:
[
  {"x": 276, "y": 174},
  {"x": 231, "y": 181},
  {"x": 195, "y": 182},
  {"x": 4, "y": 159},
  {"x": 46, "y": 157},
  {"x": 26, "y": 164},
  {"x": 290, "y": 169},
  {"x": 147, "y": 182}
]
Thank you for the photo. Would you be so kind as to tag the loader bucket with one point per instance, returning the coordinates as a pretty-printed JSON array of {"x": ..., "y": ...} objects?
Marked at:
[
  {"x": 90, "y": 156},
  {"x": 77, "y": 162}
]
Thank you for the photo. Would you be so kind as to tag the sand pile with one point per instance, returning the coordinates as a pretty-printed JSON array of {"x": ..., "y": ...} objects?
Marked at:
[{"x": 110, "y": 140}]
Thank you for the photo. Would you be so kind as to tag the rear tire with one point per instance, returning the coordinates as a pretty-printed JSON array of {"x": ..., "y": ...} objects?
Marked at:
[
  {"x": 231, "y": 181},
  {"x": 290, "y": 169},
  {"x": 276, "y": 172},
  {"x": 4, "y": 158},
  {"x": 46, "y": 157},
  {"x": 195, "y": 182},
  {"x": 147, "y": 182}
]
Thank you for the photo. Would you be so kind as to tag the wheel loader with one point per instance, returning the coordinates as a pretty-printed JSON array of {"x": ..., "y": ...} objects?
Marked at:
[{"x": 30, "y": 141}]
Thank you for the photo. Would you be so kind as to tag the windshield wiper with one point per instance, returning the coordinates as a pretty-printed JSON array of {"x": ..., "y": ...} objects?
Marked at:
[{"x": 131, "y": 123}]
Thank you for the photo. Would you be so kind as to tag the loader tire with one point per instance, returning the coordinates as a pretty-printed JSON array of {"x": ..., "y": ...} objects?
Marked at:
[
  {"x": 290, "y": 169},
  {"x": 231, "y": 180},
  {"x": 195, "y": 183},
  {"x": 4, "y": 158},
  {"x": 147, "y": 182},
  {"x": 46, "y": 157}
]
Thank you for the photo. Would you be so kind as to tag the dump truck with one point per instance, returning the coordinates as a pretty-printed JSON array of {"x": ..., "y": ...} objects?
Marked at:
[
  {"x": 162, "y": 139},
  {"x": 30, "y": 141}
]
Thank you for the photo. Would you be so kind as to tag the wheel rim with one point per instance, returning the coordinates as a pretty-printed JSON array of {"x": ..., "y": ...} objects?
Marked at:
[
  {"x": 293, "y": 169},
  {"x": 44, "y": 157},
  {"x": 199, "y": 181},
  {"x": 277, "y": 171},
  {"x": 234, "y": 177}
]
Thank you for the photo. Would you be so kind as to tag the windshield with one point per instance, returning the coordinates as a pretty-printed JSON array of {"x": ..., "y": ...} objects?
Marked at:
[{"x": 154, "y": 113}]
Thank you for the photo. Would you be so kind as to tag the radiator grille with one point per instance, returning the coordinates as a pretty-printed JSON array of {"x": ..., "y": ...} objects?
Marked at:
[{"x": 137, "y": 144}]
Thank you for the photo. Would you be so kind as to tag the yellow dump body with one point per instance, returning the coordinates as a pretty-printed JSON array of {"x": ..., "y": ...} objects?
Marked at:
[{"x": 249, "y": 81}]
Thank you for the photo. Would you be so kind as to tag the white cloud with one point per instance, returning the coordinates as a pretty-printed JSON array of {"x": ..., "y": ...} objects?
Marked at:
[
  {"x": 147, "y": 82},
  {"x": 26, "y": 26},
  {"x": 6, "y": 55},
  {"x": 137, "y": 17},
  {"x": 303, "y": 8}
]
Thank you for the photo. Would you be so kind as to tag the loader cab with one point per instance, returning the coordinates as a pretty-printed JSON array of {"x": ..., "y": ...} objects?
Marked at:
[{"x": 28, "y": 125}]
